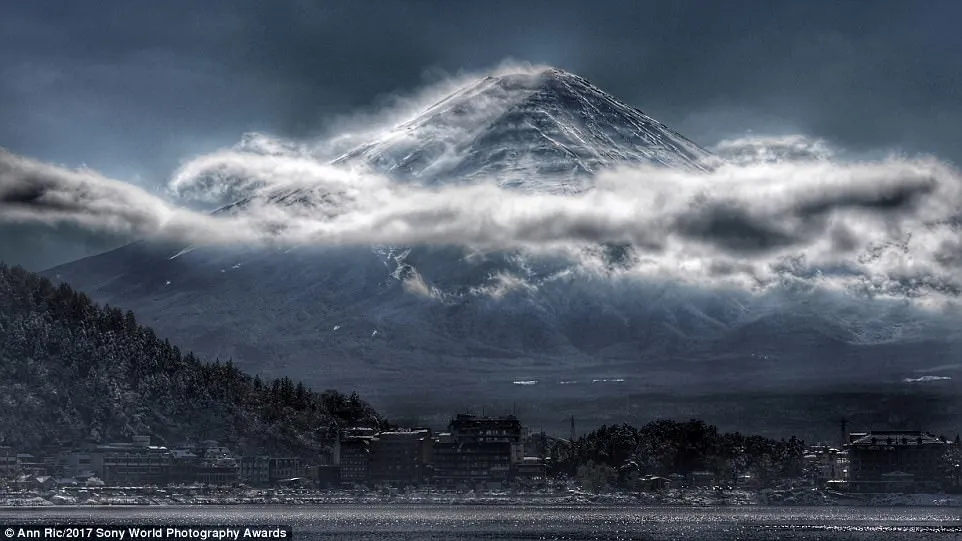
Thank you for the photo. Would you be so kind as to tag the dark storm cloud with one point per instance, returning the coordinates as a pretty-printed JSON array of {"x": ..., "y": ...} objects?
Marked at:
[
  {"x": 739, "y": 225},
  {"x": 133, "y": 88},
  {"x": 734, "y": 228}
]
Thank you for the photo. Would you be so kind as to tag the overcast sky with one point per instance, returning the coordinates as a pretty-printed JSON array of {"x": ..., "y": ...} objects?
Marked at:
[{"x": 132, "y": 89}]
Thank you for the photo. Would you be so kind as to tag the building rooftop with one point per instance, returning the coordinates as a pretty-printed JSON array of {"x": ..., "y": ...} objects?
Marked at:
[
  {"x": 128, "y": 447},
  {"x": 405, "y": 434},
  {"x": 897, "y": 437},
  {"x": 473, "y": 417}
]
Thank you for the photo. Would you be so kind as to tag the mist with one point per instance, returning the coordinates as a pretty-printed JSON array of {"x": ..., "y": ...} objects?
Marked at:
[{"x": 883, "y": 227}]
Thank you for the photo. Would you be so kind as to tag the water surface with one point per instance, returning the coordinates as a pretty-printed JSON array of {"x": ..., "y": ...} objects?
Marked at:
[{"x": 459, "y": 522}]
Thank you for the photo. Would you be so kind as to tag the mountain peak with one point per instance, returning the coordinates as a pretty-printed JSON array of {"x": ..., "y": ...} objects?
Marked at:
[
  {"x": 529, "y": 77},
  {"x": 542, "y": 129}
]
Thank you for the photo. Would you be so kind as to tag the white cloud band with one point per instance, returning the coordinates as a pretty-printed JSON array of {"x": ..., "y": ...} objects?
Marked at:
[{"x": 882, "y": 227}]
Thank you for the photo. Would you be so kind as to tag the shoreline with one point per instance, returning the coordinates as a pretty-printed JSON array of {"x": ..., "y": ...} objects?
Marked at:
[{"x": 141, "y": 498}]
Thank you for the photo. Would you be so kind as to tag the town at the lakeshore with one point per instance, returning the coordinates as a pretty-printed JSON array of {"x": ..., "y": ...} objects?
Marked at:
[{"x": 491, "y": 458}]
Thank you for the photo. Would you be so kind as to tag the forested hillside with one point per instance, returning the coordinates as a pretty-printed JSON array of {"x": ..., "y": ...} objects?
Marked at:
[{"x": 73, "y": 371}]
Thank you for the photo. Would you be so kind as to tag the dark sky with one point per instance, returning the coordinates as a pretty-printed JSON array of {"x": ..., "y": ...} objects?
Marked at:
[{"x": 133, "y": 88}]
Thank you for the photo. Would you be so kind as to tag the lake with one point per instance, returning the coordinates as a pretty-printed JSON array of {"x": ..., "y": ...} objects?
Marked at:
[{"x": 414, "y": 522}]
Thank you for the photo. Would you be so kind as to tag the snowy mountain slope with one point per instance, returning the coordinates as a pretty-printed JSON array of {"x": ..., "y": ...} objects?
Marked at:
[
  {"x": 433, "y": 327},
  {"x": 422, "y": 329},
  {"x": 544, "y": 131}
]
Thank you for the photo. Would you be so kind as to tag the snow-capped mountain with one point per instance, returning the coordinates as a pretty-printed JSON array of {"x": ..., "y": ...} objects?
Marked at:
[
  {"x": 425, "y": 330},
  {"x": 544, "y": 131}
]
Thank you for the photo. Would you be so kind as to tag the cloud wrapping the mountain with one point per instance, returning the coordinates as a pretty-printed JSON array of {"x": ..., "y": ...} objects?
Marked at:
[
  {"x": 883, "y": 227},
  {"x": 772, "y": 149},
  {"x": 347, "y": 132},
  {"x": 36, "y": 192}
]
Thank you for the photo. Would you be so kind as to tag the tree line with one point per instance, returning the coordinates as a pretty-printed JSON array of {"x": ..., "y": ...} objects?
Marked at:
[
  {"x": 620, "y": 454},
  {"x": 71, "y": 370}
]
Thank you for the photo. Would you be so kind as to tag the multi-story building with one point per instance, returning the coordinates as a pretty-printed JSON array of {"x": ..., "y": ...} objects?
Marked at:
[
  {"x": 8, "y": 461},
  {"x": 256, "y": 470},
  {"x": 217, "y": 473},
  {"x": 217, "y": 465},
  {"x": 78, "y": 463},
  {"x": 285, "y": 468},
  {"x": 467, "y": 428},
  {"x": 401, "y": 458},
  {"x": 207, "y": 462},
  {"x": 31, "y": 465},
  {"x": 353, "y": 455},
  {"x": 131, "y": 463},
  {"x": 896, "y": 460},
  {"x": 478, "y": 450},
  {"x": 468, "y": 464}
]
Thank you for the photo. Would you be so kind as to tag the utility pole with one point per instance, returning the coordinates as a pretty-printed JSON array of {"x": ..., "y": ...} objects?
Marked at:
[
  {"x": 572, "y": 428},
  {"x": 843, "y": 425}
]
